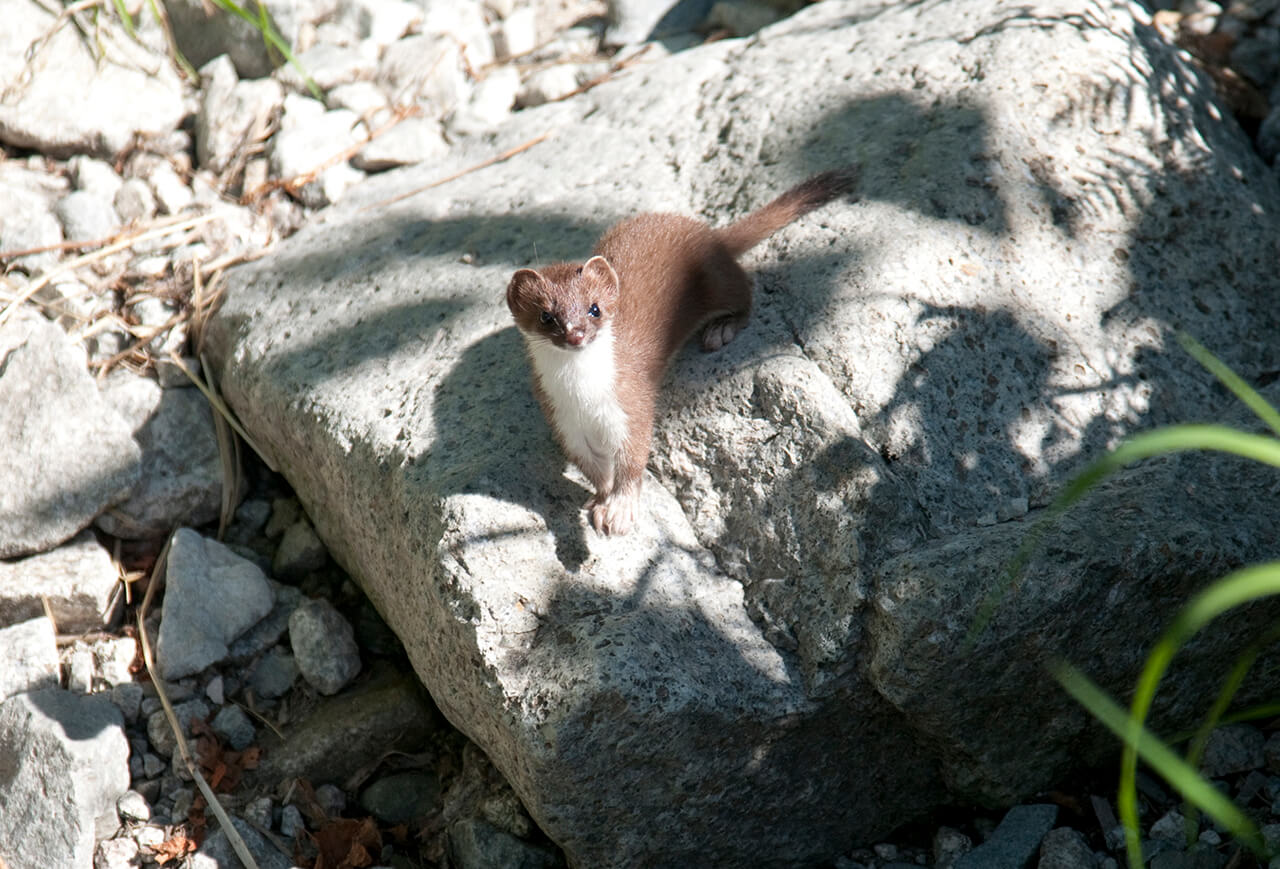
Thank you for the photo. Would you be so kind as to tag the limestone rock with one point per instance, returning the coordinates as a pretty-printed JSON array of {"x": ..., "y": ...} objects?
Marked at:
[
  {"x": 232, "y": 113},
  {"x": 28, "y": 657},
  {"x": 72, "y": 456},
  {"x": 994, "y": 311},
  {"x": 183, "y": 480},
  {"x": 211, "y": 597},
  {"x": 66, "y": 751},
  {"x": 77, "y": 579},
  {"x": 79, "y": 95}
]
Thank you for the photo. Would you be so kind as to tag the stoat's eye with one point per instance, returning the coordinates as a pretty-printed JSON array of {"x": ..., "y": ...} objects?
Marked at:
[
  {"x": 547, "y": 318},
  {"x": 594, "y": 310}
]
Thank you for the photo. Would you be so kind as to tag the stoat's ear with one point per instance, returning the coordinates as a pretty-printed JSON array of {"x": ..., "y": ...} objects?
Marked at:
[
  {"x": 598, "y": 270},
  {"x": 524, "y": 284}
]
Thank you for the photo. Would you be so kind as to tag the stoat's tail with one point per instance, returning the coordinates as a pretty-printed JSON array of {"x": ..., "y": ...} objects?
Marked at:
[{"x": 799, "y": 200}]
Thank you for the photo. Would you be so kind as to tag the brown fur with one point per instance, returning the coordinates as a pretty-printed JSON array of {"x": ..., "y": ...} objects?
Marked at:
[{"x": 654, "y": 280}]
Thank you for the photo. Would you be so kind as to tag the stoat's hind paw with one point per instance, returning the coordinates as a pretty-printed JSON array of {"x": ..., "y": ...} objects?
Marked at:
[{"x": 615, "y": 513}]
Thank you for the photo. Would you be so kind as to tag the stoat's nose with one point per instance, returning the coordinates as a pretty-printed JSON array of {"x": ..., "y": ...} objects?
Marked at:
[{"x": 575, "y": 337}]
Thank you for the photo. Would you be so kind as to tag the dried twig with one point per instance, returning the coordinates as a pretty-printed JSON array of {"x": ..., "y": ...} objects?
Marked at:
[
  {"x": 604, "y": 77},
  {"x": 71, "y": 265},
  {"x": 297, "y": 182},
  {"x": 483, "y": 164}
]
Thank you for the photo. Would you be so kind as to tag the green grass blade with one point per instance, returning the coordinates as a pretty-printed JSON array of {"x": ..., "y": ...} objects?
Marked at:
[
  {"x": 1232, "y": 381},
  {"x": 1232, "y": 590},
  {"x": 269, "y": 35},
  {"x": 125, "y": 18},
  {"x": 1163, "y": 760},
  {"x": 1195, "y": 751}
]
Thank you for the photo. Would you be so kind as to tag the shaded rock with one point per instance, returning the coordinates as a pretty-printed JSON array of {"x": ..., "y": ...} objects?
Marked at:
[
  {"x": 475, "y": 844},
  {"x": 128, "y": 699},
  {"x": 380, "y": 21},
  {"x": 390, "y": 713},
  {"x": 233, "y": 725},
  {"x": 233, "y": 113},
  {"x": 216, "y": 851},
  {"x": 809, "y": 561},
  {"x": 292, "y": 824},
  {"x": 161, "y": 734},
  {"x": 1233, "y": 748},
  {"x": 28, "y": 657},
  {"x": 300, "y": 552},
  {"x": 1064, "y": 848},
  {"x": 65, "y": 750},
  {"x": 1014, "y": 842},
  {"x": 66, "y": 99},
  {"x": 267, "y": 632},
  {"x": 77, "y": 579},
  {"x": 402, "y": 797},
  {"x": 183, "y": 480},
  {"x": 274, "y": 674},
  {"x": 948, "y": 845},
  {"x": 203, "y": 32},
  {"x": 324, "y": 646},
  {"x": 211, "y": 597},
  {"x": 72, "y": 455},
  {"x": 640, "y": 20}
]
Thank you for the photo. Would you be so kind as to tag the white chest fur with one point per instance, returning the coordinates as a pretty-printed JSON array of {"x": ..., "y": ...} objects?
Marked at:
[{"x": 581, "y": 389}]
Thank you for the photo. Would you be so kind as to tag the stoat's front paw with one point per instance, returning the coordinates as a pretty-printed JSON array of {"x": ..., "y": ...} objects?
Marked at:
[
  {"x": 720, "y": 332},
  {"x": 615, "y": 513}
]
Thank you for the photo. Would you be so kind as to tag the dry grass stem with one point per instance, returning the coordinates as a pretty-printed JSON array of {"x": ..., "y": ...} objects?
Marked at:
[
  {"x": 48, "y": 613},
  {"x": 483, "y": 164},
  {"x": 604, "y": 77},
  {"x": 220, "y": 406},
  {"x": 165, "y": 228}
]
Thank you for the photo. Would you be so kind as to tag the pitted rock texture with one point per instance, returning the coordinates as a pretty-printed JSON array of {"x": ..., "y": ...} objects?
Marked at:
[{"x": 774, "y": 665}]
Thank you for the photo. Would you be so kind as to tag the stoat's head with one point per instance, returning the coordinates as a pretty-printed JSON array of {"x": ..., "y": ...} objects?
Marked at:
[{"x": 564, "y": 304}]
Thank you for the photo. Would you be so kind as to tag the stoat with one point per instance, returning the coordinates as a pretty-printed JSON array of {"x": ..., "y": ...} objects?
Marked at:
[{"x": 600, "y": 334}]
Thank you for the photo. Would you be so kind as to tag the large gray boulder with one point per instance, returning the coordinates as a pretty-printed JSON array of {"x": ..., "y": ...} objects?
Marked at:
[{"x": 773, "y": 665}]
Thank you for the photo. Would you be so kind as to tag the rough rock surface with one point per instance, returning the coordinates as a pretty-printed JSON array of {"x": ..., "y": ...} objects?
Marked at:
[
  {"x": 28, "y": 657},
  {"x": 183, "y": 483},
  {"x": 66, "y": 751},
  {"x": 835, "y": 494},
  {"x": 59, "y": 474},
  {"x": 80, "y": 93},
  {"x": 212, "y": 597},
  {"x": 77, "y": 580}
]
